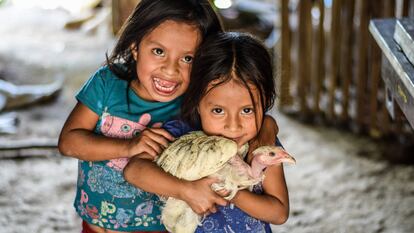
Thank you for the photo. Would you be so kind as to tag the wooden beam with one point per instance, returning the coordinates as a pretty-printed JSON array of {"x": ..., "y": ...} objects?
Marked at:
[
  {"x": 347, "y": 54},
  {"x": 335, "y": 56},
  {"x": 305, "y": 51},
  {"x": 362, "y": 63},
  {"x": 320, "y": 58},
  {"x": 286, "y": 63}
]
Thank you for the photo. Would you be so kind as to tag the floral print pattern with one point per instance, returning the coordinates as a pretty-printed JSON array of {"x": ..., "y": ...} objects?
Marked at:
[{"x": 105, "y": 198}]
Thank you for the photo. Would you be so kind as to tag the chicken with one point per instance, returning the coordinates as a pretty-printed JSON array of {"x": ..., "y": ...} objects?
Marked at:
[{"x": 196, "y": 155}]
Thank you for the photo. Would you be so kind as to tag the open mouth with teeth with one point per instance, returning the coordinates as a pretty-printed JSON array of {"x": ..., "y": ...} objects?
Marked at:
[{"x": 164, "y": 87}]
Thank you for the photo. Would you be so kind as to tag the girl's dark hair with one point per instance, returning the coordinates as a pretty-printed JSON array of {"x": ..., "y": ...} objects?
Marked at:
[
  {"x": 224, "y": 57},
  {"x": 149, "y": 14}
]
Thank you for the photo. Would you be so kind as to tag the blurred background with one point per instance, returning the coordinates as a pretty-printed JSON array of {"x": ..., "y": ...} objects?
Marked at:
[{"x": 352, "y": 139}]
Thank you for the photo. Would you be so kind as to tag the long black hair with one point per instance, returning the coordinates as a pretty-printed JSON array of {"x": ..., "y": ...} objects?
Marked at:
[
  {"x": 229, "y": 56},
  {"x": 149, "y": 14}
]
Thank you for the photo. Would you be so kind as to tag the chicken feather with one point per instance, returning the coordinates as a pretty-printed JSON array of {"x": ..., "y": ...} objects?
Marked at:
[{"x": 196, "y": 155}]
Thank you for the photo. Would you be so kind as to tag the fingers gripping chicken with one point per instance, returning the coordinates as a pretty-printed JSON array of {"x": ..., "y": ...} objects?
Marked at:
[{"x": 196, "y": 155}]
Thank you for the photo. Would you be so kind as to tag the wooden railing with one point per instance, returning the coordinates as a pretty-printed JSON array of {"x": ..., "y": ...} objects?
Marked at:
[{"x": 330, "y": 64}]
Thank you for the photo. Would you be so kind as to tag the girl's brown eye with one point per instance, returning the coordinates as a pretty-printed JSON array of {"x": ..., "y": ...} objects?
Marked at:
[
  {"x": 217, "y": 111},
  {"x": 247, "y": 110},
  {"x": 188, "y": 59},
  {"x": 158, "y": 52}
]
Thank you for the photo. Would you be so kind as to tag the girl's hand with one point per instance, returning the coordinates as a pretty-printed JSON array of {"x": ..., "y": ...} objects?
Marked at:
[
  {"x": 201, "y": 198},
  {"x": 266, "y": 136},
  {"x": 151, "y": 141},
  {"x": 223, "y": 192}
]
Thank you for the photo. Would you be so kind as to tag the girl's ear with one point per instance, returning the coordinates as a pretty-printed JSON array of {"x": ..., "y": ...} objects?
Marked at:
[{"x": 134, "y": 51}]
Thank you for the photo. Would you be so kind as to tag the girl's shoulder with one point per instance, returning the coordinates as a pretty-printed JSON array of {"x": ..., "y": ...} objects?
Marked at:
[
  {"x": 106, "y": 78},
  {"x": 102, "y": 85},
  {"x": 106, "y": 73}
]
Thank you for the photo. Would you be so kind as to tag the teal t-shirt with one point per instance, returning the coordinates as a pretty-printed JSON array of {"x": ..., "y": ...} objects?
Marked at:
[{"x": 103, "y": 196}]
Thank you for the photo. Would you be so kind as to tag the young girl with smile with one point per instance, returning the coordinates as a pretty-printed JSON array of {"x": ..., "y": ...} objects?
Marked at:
[{"x": 121, "y": 107}]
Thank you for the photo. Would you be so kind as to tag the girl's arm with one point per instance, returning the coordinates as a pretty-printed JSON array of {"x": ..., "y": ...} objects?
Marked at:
[
  {"x": 78, "y": 140},
  {"x": 273, "y": 205},
  {"x": 145, "y": 174}
]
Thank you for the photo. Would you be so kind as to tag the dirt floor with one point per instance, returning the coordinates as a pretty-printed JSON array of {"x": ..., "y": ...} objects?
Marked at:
[{"x": 341, "y": 183}]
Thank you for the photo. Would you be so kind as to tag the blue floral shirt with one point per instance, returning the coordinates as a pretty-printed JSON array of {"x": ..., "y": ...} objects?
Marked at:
[{"x": 103, "y": 196}]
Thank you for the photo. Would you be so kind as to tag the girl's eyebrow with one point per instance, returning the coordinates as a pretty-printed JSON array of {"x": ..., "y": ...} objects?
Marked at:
[
  {"x": 153, "y": 42},
  {"x": 218, "y": 105},
  {"x": 248, "y": 106},
  {"x": 212, "y": 103}
]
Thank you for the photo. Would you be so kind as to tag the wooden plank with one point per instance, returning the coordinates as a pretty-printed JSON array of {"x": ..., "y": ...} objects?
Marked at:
[
  {"x": 385, "y": 125},
  {"x": 320, "y": 58},
  {"x": 362, "y": 64},
  {"x": 285, "y": 96},
  {"x": 377, "y": 9},
  {"x": 374, "y": 84},
  {"x": 389, "y": 9},
  {"x": 28, "y": 153},
  {"x": 30, "y": 143},
  {"x": 400, "y": 78},
  {"x": 30, "y": 147},
  {"x": 399, "y": 120},
  {"x": 335, "y": 56},
  {"x": 411, "y": 8},
  {"x": 405, "y": 7},
  {"x": 399, "y": 91},
  {"x": 308, "y": 55},
  {"x": 404, "y": 36},
  {"x": 347, "y": 53},
  {"x": 305, "y": 28}
]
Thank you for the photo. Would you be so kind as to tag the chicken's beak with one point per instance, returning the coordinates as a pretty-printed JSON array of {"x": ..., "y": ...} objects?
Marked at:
[{"x": 287, "y": 158}]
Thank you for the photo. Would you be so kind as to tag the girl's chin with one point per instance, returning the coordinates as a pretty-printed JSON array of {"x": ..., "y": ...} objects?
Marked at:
[{"x": 164, "y": 98}]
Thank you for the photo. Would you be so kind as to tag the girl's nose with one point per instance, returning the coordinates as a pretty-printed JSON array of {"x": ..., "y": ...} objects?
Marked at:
[
  {"x": 233, "y": 123},
  {"x": 170, "y": 67}
]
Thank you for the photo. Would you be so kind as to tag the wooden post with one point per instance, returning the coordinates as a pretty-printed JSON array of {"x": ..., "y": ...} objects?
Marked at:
[
  {"x": 335, "y": 56},
  {"x": 389, "y": 8},
  {"x": 362, "y": 63},
  {"x": 305, "y": 51},
  {"x": 383, "y": 8},
  {"x": 374, "y": 84},
  {"x": 320, "y": 58},
  {"x": 121, "y": 9},
  {"x": 404, "y": 8},
  {"x": 411, "y": 8},
  {"x": 385, "y": 120},
  {"x": 285, "y": 96},
  {"x": 347, "y": 54}
]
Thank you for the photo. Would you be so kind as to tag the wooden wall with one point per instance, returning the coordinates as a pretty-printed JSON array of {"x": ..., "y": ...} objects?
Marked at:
[{"x": 330, "y": 64}]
